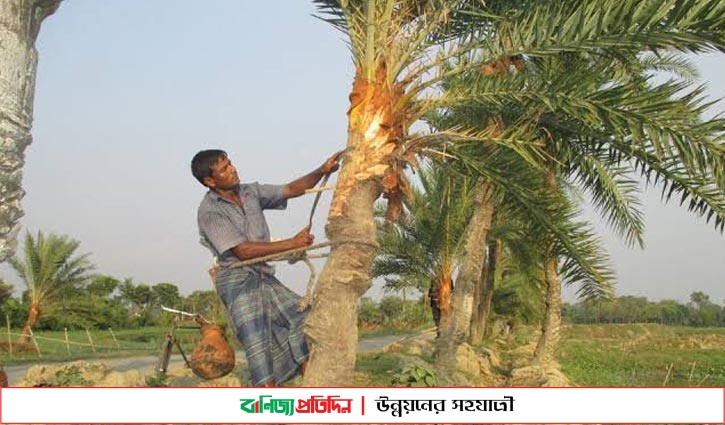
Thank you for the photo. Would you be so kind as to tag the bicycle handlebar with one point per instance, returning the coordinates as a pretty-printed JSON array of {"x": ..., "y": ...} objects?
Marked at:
[
  {"x": 198, "y": 317},
  {"x": 171, "y": 310}
]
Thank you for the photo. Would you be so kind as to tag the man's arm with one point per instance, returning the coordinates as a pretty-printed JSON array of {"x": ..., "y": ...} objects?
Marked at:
[
  {"x": 297, "y": 187},
  {"x": 249, "y": 250}
]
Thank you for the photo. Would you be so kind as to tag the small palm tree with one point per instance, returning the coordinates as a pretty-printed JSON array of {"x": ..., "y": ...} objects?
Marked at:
[
  {"x": 49, "y": 268},
  {"x": 423, "y": 248}
]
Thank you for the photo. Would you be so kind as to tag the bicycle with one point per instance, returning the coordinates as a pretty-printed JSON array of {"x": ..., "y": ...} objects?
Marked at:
[
  {"x": 172, "y": 341},
  {"x": 212, "y": 356}
]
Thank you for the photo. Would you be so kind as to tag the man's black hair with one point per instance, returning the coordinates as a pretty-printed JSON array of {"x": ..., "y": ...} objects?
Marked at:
[{"x": 203, "y": 161}]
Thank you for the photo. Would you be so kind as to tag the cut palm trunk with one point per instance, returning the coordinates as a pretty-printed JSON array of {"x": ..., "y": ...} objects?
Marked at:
[
  {"x": 20, "y": 22},
  {"x": 332, "y": 324},
  {"x": 30, "y": 322},
  {"x": 485, "y": 289},
  {"x": 549, "y": 337},
  {"x": 455, "y": 328}
]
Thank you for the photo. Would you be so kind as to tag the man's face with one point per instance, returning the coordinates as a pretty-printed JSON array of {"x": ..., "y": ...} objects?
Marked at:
[{"x": 223, "y": 175}]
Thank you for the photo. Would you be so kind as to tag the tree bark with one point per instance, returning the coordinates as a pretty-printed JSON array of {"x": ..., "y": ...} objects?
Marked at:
[
  {"x": 440, "y": 297},
  {"x": 476, "y": 335},
  {"x": 332, "y": 325},
  {"x": 485, "y": 289},
  {"x": 445, "y": 291},
  {"x": 549, "y": 337},
  {"x": 20, "y": 22},
  {"x": 455, "y": 328},
  {"x": 30, "y": 322}
]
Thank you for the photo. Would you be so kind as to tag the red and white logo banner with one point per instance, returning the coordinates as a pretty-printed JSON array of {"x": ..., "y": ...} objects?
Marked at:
[{"x": 292, "y": 405}]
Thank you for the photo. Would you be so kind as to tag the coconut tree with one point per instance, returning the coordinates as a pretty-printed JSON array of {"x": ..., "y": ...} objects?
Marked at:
[
  {"x": 48, "y": 267},
  {"x": 20, "y": 22}
]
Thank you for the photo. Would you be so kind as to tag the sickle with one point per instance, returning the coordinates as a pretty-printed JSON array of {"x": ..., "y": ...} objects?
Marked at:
[{"x": 322, "y": 184}]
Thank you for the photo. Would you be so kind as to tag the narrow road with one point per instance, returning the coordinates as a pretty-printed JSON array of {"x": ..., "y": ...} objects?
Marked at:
[{"x": 148, "y": 363}]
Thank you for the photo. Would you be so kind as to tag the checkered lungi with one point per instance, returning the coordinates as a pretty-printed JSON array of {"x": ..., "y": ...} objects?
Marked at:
[{"x": 266, "y": 321}]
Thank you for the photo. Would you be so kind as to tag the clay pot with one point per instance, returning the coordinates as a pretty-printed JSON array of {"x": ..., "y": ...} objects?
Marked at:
[{"x": 213, "y": 356}]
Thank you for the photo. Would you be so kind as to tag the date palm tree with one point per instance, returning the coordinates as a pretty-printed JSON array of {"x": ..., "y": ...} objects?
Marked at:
[
  {"x": 395, "y": 46},
  {"x": 423, "y": 248},
  {"x": 401, "y": 50},
  {"x": 600, "y": 123},
  {"x": 49, "y": 266}
]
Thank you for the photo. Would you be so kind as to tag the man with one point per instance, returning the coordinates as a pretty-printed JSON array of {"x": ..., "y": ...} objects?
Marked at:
[{"x": 231, "y": 224}]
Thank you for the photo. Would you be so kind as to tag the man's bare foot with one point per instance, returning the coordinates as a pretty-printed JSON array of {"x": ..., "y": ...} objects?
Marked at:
[{"x": 303, "y": 368}]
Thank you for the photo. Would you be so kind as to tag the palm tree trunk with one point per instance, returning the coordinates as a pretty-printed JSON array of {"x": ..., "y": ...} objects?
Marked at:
[
  {"x": 495, "y": 278},
  {"x": 486, "y": 287},
  {"x": 440, "y": 298},
  {"x": 476, "y": 336},
  {"x": 30, "y": 323},
  {"x": 455, "y": 328},
  {"x": 549, "y": 337},
  {"x": 445, "y": 292},
  {"x": 19, "y": 26},
  {"x": 332, "y": 323}
]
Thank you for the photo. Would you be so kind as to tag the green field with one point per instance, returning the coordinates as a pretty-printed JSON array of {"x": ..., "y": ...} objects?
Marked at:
[{"x": 643, "y": 355}]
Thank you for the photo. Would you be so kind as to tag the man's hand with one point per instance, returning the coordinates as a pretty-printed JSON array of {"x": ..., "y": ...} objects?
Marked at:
[
  {"x": 297, "y": 188},
  {"x": 303, "y": 238},
  {"x": 332, "y": 164}
]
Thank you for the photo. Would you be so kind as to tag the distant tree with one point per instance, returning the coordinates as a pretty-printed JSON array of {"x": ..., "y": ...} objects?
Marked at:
[
  {"x": 49, "y": 267},
  {"x": 102, "y": 286},
  {"x": 92, "y": 306},
  {"x": 14, "y": 310},
  {"x": 704, "y": 312},
  {"x": 137, "y": 298},
  {"x": 205, "y": 302},
  {"x": 6, "y": 291},
  {"x": 166, "y": 294},
  {"x": 673, "y": 313},
  {"x": 699, "y": 299}
]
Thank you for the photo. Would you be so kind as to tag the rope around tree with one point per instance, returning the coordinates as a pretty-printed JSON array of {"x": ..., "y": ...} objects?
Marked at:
[{"x": 292, "y": 256}]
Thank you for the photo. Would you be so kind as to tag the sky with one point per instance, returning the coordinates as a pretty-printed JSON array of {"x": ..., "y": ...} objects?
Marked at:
[{"x": 129, "y": 90}]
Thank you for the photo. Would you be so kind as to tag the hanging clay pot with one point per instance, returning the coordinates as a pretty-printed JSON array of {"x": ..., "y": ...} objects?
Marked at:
[{"x": 213, "y": 356}]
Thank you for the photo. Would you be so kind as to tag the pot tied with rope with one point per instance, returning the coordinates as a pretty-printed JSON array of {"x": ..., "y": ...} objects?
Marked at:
[{"x": 213, "y": 356}]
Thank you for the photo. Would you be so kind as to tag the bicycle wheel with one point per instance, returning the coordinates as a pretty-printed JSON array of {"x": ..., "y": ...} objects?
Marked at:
[{"x": 165, "y": 355}]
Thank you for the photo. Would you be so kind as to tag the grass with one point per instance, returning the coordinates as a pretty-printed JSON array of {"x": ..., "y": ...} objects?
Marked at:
[
  {"x": 375, "y": 369},
  {"x": 643, "y": 356},
  {"x": 105, "y": 344}
]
